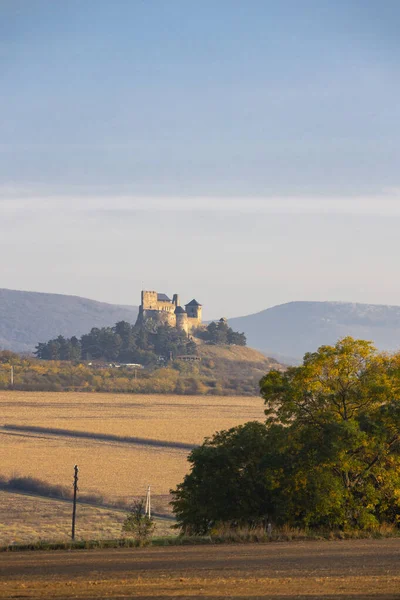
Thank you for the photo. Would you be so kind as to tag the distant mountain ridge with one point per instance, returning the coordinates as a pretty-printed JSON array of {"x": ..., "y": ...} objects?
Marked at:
[
  {"x": 27, "y": 318},
  {"x": 285, "y": 332},
  {"x": 292, "y": 329}
]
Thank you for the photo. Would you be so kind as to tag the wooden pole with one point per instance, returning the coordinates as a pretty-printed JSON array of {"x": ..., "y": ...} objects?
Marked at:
[{"x": 76, "y": 470}]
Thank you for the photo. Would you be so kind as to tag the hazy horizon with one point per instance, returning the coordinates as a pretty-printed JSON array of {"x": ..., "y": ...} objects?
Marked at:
[{"x": 242, "y": 153}]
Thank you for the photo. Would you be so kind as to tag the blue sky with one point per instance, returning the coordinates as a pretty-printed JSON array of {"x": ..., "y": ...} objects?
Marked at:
[{"x": 226, "y": 136}]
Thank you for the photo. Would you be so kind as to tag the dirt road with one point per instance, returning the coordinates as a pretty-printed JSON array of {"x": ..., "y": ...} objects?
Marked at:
[{"x": 323, "y": 570}]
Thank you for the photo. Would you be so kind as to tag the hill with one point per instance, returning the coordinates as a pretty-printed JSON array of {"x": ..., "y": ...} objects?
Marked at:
[
  {"x": 289, "y": 330},
  {"x": 234, "y": 369},
  {"x": 235, "y": 353},
  {"x": 29, "y": 317},
  {"x": 286, "y": 331}
]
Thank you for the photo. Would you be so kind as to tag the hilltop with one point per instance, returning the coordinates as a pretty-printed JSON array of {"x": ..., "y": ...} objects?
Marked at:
[
  {"x": 29, "y": 317},
  {"x": 286, "y": 331},
  {"x": 289, "y": 330}
]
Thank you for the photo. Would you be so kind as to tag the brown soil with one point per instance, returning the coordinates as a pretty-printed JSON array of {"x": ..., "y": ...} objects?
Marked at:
[{"x": 323, "y": 570}]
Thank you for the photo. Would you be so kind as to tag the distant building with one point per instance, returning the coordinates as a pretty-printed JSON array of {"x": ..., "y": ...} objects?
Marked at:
[{"x": 163, "y": 310}]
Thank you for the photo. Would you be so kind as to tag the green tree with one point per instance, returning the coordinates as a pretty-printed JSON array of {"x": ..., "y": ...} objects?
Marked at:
[
  {"x": 341, "y": 406},
  {"x": 91, "y": 344},
  {"x": 335, "y": 383},
  {"x": 327, "y": 456},
  {"x": 226, "y": 482},
  {"x": 220, "y": 333},
  {"x": 236, "y": 338}
]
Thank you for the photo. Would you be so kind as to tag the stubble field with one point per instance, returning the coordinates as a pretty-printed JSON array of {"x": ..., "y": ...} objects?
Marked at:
[{"x": 117, "y": 469}]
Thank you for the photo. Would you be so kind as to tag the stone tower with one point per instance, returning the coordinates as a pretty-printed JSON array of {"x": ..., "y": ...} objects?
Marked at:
[
  {"x": 194, "y": 313},
  {"x": 181, "y": 319}
]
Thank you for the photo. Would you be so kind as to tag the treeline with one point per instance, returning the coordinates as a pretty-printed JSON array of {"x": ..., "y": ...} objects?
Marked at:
[
  {"x": 31, "y": 374},
  {"x": 212, "y": 377},
  {"x": 126, "y": 343},
  {"x": 220, "y": 333},
  {"x": 122, "y": 343}
]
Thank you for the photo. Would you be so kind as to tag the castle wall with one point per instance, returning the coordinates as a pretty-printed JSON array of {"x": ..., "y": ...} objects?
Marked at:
[
  {"x": 160, "y": 316},
  {"x": 193, "y": 322},
  {"x": 150, "y": 302},
  {"x": 165, "y": 306}
]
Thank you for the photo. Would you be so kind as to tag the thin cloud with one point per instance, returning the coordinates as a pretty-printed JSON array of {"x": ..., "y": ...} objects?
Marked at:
[{"x": 123, "y": 205}]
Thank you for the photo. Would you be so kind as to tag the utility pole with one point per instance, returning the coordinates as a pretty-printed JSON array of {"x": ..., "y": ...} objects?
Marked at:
[
  {"x": 74, "y": 503},
  {"x": 147, "y": 509}
]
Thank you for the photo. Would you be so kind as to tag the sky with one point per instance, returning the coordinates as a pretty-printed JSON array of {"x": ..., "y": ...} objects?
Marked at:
[{"x": 242, "y": 152}]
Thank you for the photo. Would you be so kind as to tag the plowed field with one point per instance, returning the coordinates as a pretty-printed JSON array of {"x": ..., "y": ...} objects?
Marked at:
[{"x": 317, "y": 570}]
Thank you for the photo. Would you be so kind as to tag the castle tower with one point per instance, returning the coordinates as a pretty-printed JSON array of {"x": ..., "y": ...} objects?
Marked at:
[
  {"x": 181, "y": 319},
  {"x": 194, "y": 313},
  {"x": 149, "y": 300}
]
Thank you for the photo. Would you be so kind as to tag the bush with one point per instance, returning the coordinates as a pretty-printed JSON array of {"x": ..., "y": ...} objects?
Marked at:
[{"x": 138, "y": 524}]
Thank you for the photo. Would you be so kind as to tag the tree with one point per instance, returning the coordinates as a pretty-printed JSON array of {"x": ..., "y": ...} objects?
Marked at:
[
  {"x": 342, "y": 407},
  {"x": 126, "y": 333},
  {"x": 91, "y": 344},
  {"x": 327, "y": 456},
  {"x": 74, "y": 349},
  {"x": 225, "y": 483},
  {"x": 220, "y": 333},
  {"x": 236, "y": 338},
  {"x": 335, "y": 383}
]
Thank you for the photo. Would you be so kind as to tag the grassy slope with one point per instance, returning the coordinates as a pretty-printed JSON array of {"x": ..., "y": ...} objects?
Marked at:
[
  {"x": 238, "y": 353},
  {"x": 235, "y": 369},
  {"x": 25, "y": 518}
]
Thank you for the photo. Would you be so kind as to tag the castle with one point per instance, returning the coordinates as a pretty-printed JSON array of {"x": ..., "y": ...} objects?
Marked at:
[{"x": 163, "y": 310}]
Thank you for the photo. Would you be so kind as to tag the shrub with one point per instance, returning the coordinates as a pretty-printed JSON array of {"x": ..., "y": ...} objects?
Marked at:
[{"x": 138, "y": 524}]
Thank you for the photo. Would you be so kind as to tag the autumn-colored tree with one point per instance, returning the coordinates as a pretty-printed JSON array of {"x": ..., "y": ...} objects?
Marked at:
[
  {"x": 330, "y": 449},
  {"x": 342, "y": 408}
]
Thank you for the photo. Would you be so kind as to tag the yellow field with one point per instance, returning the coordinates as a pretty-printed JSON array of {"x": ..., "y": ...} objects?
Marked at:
[
  {"x": 26, "y": 519},
  {"x": 116, "y": 470}
]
